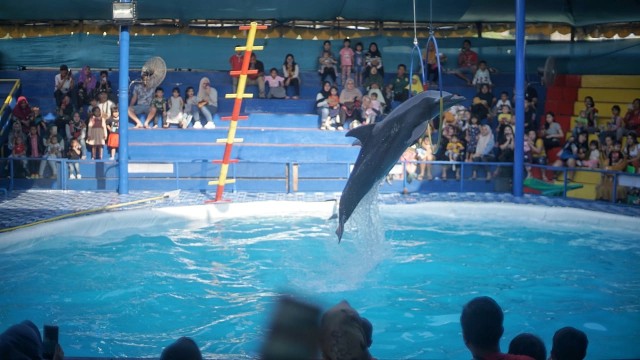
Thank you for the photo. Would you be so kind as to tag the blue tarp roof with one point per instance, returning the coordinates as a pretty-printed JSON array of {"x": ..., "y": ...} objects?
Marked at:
[{"x": 571, "y": 12}]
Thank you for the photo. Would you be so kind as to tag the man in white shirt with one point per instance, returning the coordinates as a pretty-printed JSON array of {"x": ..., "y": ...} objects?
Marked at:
[{"x": 64, "y": 85}]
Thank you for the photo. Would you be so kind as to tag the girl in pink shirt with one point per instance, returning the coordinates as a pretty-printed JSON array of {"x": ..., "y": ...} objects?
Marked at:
[{"x": 346, "y": 60}]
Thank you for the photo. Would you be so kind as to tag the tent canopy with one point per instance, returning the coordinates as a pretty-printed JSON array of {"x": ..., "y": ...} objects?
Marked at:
[{"x": 570, "y": 12}]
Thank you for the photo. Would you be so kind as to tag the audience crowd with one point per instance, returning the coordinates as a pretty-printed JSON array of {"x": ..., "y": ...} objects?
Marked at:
[
  {"x": 353, "y": 92},
  {"x": 297, "y": 331}
]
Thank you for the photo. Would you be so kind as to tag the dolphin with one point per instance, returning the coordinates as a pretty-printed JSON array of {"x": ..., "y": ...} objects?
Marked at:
[{"x": 384, "y": 142}]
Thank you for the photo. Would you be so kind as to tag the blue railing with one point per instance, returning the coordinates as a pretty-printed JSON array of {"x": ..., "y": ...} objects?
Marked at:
[{"x": 290, "y": 175}]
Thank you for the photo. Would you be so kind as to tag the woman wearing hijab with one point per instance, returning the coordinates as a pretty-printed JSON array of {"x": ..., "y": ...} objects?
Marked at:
[
  {"x": 322, "y": 105},
  {"x": 350, "y": 98},
  {"x": 415, "y": 87},
  {"x": 207, "y": 104},
  {"x": 22, "y": 113},
  {"x": 373, "y": 58},
  {"x": 86, "y": 86},
  {"x": 484, "y": 150}
]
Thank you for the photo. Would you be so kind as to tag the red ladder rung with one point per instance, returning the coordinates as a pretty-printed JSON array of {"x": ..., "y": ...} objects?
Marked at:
[
  {"x": 248, "y": 27},
  {"x": 241, "y": 117},
  {"x": 239, "y": 72},
  {"x": 231, "y": 161}
]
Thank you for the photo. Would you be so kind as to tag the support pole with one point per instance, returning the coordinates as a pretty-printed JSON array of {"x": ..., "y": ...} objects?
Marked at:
[
  {"x": 518, "y": 159},
  {"x": 123, "y": 107}
]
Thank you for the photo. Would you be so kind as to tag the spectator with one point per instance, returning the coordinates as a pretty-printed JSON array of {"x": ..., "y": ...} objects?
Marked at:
[
  {"x": 158, "y": 108},
  {"x": 235, "y": 61},
  {"x": 425, "y": 153},
  {"x": 506, "y": 147},
  {"x": 530, "y": 117},
  {"x": 327, "y": 67},
  {"x": 614, "y": 126},
  {"x": 454, "y": 149},
  {"x": 37, "y": 118},
  {"x": 368, "y": 112},
  {"x": 104, "y": 85},
  {"x": 77, "y": 129},
  {"x": 502, "y": 101},
  {"x": 531, "y": 95},
  {"x": 140, "y": 102},
  {"x": 182, "y": 349},
  {"x": 615, "y": 162},
  {"x": 64, "y": 114},
  {"x": 591, "y": 114},
  {"x": 431, "y": 62},
  {"x": 484, "y": 150},
  {"x": 64, "y": 85},
  {"x": 632, "y": 119},
  {"x": 400, "y": 83},
  {"x": 373, "y": 58},
  {"x": 350, "y": 98},
  {"x": 344, "y": 334},
  {"x": 276, "y": 85},
  {"x": 22, "y": 113},
  {"x": 175, "y": 114},
  {"x": 472, "y": 135},
  {"x": 378, "y": 101},
  {"x": 113, "y": 127},
  {"x": 482, "y": 103},
  {"x": 74, "y": 154},
  {"x": 191, "y": 110},
  {"x": 291, "y": 72},
  {"x": 569, "y": 155},
  {"x": 105, "y": 104},
  {"x": 332, "y": 121},
  {"x": 326, "y": 46},
  {"x": 19, "y": 152},
  {"x": 416, "y": 86},
  {"x": 358, "y": 64},
  {"x": 97, "y": 134},
  {"x": 632, "y": 151},
  {"x": 346, "y": 60},
  {"x": 373, "y": 78},
  {"x": 594, "y": 156},
  {"x": 482, "y": 75},
  {"x": 258, "y": 78},
  {"x": 322, "y": 104},
  {"x": 23, "y": 341},
  {"x": 53, "y": 150},
  {"x": 528, "y": 344},
  {"x": 569, "y": 344},
  {"x": 538, "y": 154},
  {"x": 16, "y": 132},
  {"x": 553, "y": 133},
  {"x": 86, "y": 86},
  {"x": 482, "y": 329},
  {"x": 467, "y": 62},
  {"x": 207, "y": 103},
  {"x": 35, "y": 149}
]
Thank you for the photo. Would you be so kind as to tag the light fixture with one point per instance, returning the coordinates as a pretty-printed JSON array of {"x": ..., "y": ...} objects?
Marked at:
[{"x": 124, "y": 12}]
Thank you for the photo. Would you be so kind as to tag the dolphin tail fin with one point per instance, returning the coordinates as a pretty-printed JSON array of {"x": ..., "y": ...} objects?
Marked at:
[{"x": 339, "y": 231}]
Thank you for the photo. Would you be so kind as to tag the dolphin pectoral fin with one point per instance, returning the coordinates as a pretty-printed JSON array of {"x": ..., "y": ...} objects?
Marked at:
[
  {"x": 418, "y": 132},
  {"x": 361, "y": 133}
]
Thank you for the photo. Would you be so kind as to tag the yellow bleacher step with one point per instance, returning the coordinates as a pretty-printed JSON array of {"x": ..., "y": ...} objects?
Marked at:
[
  {"x": 624, "y": 96},
  {"x": 587, "y": 177},
  {"x": 611, "y": 81},
  {"x": 587, "y": 192}
]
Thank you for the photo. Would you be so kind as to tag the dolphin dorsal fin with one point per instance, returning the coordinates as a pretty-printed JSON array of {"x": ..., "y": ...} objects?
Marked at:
[{"x": 361, "y": 133}]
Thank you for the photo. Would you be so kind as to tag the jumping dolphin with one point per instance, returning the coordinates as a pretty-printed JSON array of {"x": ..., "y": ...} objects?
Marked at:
[{"x": 383, "y": 143}]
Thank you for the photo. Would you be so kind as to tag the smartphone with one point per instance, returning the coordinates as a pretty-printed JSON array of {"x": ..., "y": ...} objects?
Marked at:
[
  {"x": 293, "y": 331},
  {"x": 49, "y": 341}
]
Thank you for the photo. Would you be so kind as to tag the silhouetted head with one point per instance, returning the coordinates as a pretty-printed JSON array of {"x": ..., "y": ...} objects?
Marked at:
[
  {"x": 183, "y": 349},
  {"x": 344, "y": 334},
  {"x": 21, "y": 341},
  {"x": 481, "y": 322},
  {"x": 569, "y": 344},
  {"x": 528, "y": 344}
]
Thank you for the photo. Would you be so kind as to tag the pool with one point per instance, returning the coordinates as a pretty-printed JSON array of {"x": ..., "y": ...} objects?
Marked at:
[{"x": 129, "y": 283}]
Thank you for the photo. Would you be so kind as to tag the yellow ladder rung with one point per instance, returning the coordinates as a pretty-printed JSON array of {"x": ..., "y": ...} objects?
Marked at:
[
  {"x": 234, "y": 96},
  {"x": 216, "y": 182},
  {"x": 236, "y": 140},
  {"x": 243, "y": 48}
]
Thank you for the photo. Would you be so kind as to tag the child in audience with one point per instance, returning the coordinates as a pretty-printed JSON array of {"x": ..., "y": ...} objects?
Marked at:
[
  {"x": 482, "y": 75},
  {"x": 104, "y": 85},
  {"x": 53, "y": 151},
  {"x": 333, "y": 120},
  {"x": 425, "y": 153},
  {"x": 160, "y": 104},
  {"x": 358, "y": 64},
  {"x": 176, "y": 105},
  {"x": 77, "y": 129},
  {"x": 473, "y": 133},
  {"x": 327, "y": 67},
  {"x": 368, "y": 112},
  {"x": 190, "y": 107},
  {"x": 36, "y": 117},
  {"x": 581, "y": 124},
  {"x": 388, "y": 97},
  {"x": 346, "y": 60},
  {"x": 113, "y": 126},
  {"x": 594, "y": 156},
  {"x": 276, "y": 85},
  {"x": 504, "y": 100},
  {"x": 19, "y": 152},
  {"x": 454, "y": 148},
  {"x": 35, "y": 149},
  {"x": 105, "y": 105},
  {"x": 375, "y": 103},
  {"x": 97, "y": 134},
  {"x": 614, "y": 125},
  {"x": 75, "y": 153}
]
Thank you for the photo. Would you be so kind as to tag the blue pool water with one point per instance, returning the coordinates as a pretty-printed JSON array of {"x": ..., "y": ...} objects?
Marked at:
[{"x": 131, "y": 295}]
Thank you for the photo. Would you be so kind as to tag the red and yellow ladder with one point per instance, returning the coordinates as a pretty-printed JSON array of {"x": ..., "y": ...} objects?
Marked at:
[{"x": 235, "y": 115}]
